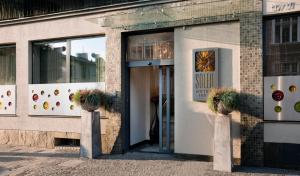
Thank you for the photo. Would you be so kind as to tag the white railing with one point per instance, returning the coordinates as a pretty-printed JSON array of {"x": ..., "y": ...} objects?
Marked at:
[
  {"x": 8, "y": 99},
  {"x": 57, "y": 99}
]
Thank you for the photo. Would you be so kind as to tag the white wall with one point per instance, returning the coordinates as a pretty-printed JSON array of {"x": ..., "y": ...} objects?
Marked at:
[
  {"x": 194, "y": 122},
  {"x": 282, "y": 133},
  {"x": 22, "y": 35},
  {"x": 139, "y": 104}
]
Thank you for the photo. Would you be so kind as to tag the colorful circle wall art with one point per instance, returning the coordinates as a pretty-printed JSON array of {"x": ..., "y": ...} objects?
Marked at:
[
  {"x": 72, "y": 107},
  {"x": 8, "y": 93},
  {"x": 277, "y": 95},
  {"x": 52, "y": 108},
  {"x": 35, "y": 97},
  {"x": 9, "y": 103},
  {"x": 1, "y": 104},
  {"x": 292, "y": 88},
  {"x": 46, "y": 105},
  {"x": 34, "y": 106},
  {"x": 42, "y": 92},
  {"x": 273, "y": 87},
  {"x": 49, "y": 95},
  {"x": 297, "y": 106},
  {"x": 71, "y": 97},
  {"x": 69, "y": 90},
  {"x": 277, "y": 109},
  {"x": 2, "y": 96},
  {"x": 56, "y": 92},
  {"x": 57, "y": 103}
]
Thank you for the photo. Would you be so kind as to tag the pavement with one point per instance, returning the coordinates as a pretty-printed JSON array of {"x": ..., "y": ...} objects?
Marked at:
[{"x": 20, "y": 160}]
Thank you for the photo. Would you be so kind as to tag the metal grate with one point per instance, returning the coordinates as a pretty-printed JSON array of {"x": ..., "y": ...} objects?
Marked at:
[{"x": 13, "y": 9}]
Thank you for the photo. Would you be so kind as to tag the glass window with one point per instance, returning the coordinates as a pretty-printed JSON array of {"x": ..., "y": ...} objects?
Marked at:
[
  {"x": 281, "y": 53},
  {"x": 49, "y": 62},
  {"x": 88, "y": 60},
  {"x": 151, "y": 46},
  {"x": 8, "y": 65},
  {"x": 72, "y": 60}
]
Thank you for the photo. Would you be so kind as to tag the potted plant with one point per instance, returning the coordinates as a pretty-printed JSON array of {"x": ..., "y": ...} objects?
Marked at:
[
  {"x": 223, "y": 101},
  {"x": 90, "y": 139}
]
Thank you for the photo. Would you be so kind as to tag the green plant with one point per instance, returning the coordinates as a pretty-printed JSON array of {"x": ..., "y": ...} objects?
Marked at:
[
  {"x": 91, "y": 100},
  {"x": 223, "y": 100}
]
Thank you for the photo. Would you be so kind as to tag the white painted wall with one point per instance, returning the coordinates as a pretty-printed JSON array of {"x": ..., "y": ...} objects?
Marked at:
[
  {"x": 22, "y": 35},
  {"x": 282, "y": 133},
  {"x": 139, "y": 104},
  {"x": 194, "y": 122}
]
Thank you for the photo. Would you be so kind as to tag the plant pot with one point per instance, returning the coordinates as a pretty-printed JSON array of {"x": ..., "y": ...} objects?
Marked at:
[
  {"x": 222, "y": 144},
  {"x": 90, "y": 138}
]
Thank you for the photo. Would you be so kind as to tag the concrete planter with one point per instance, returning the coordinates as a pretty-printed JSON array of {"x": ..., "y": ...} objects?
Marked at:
[
  {"x": 222, "y": 144},
  {"x": 90, "y": 139}
]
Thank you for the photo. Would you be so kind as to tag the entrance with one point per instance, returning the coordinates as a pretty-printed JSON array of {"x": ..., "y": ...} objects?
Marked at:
[
  {"x": 150, "y": 59},
  {"x": 152, "y": 108}
]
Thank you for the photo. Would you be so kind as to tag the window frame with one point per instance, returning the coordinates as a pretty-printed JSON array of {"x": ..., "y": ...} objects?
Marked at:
[
  {"x": 281, "y": 30},
  {"x": 68, "y": 53}
]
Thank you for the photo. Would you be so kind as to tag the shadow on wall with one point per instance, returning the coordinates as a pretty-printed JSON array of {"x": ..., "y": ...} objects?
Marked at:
[{"x": 251, "y": 130}]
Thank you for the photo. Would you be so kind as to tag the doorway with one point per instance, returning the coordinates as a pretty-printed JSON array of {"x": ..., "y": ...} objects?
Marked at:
[
  {"x": 152, "y": 108},
  {"x": 150, "y": 60}
]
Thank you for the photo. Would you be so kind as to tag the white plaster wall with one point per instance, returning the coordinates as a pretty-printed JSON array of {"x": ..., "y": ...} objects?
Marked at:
[
  {"x": 282, "y": 133},
  {"x": 139, "y": 104},
  {"x": 194, "y": 122},
  {"x": 22, "y": 35}
]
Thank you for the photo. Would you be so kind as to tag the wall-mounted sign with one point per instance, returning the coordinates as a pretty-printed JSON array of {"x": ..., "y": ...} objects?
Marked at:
[
  {"x": 205, "y": 72},
  {"x": 280, "y": 6}
]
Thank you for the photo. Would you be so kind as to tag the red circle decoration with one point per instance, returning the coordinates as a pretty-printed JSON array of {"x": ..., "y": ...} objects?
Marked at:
[
  {"x": 278, "y": 95},
  {"x": 8, "y": 93},
  {"x": 35, "y": 97},
  {"x": 57, "y": 103},
  {"x": 9, "y": 103}
]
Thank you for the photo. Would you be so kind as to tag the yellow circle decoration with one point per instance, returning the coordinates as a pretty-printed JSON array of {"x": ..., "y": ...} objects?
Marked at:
[
  {"x": 34, "y": 106},
  {"x": 292, "y": 88},
  {"x": 273, "y": 87},
  {"x": 46, "y": 105}
]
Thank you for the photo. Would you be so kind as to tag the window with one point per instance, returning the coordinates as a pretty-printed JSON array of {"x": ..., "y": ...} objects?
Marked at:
[
  {"x": 8, "y": 65},
  {"x": 285, "y": 30},
  {"x": 282, "y": 46},
  {"x": 151, "y": 46},
  {"x": 72, "y": 60}
]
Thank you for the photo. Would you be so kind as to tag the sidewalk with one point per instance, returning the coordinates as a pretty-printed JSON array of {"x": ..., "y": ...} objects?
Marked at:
[{"x": 19, "y": 161}]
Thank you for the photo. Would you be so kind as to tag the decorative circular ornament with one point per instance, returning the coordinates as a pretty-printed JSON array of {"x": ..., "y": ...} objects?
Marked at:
[
  {"x": 277, "y": 95},
  {"x": 5, "y": 108},
  {"x": 292, "y": 88},
  {"x": 46, "y": 105},
  {"x": 273, "y": 87},
  {"x": 32, "y": 91},
  {"x": 8, "y": 93},
  {"x": 277, "y": 109},
  {"x": 2, "y": 96},
  {"x": 57, "y": 103},
  {"x": 52, "y": 108},
  {"x": 69, "y": 90},
  {"x": 49, "y": 95},
  {"x": 297, "y": 106},
  {"x": 35, "y": 97},
  {"x": 71, "y": 97},
  {"x": 56, "y": 92},
  {"x": 72, "y": 107},
  {"x": 9, "y": 103},
  {"x": 34, "y": 106},
  {"x": 42, "y": 92},
  {"x": 1, "y": 104}
]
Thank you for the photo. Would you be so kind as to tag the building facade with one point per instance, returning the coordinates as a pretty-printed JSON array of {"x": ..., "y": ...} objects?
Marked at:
[{"x": 147, "y": 55}]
